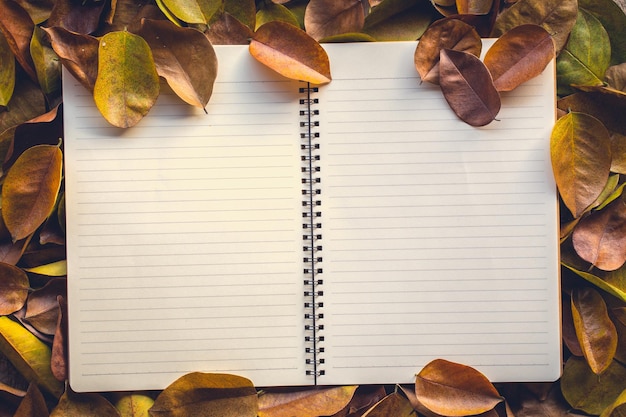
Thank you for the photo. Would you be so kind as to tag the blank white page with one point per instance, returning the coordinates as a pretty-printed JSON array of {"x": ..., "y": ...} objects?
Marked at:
[
  {"x": 439, "y": 239},
  {"x": 185, "y": 237}
]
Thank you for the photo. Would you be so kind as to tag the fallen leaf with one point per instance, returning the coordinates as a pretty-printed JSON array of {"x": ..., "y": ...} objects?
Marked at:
[
  {"x": 42, "y": 307},
  {"x": 73, "y": 404},
  {"x": 568, "y": 331},
  {"x": 192, "y": 11},
  {"x": 54, "y": 269},
  {"x": 290, "y": 52},
  {"x": 615, "y": 77},
  {"x": 242, "y": 10},
  {"x": 305, "y": 403},
  {"x": 600, "y": 238},
  {"x": 476, "y": 7},
  {"x": 519, "y": 55},
  {"x": 14, "y": 287},
  {"x": 27, "y": 102},
  {"x": 586, "y": 56},
  {"x": 134, "y": 405},
  {"x": 78, "y": 53},
  {"x": 29, "y": 355},
  {"x": 398, "y": 20},
  {"x": 39, "y": 11},
  {"x": 128, "y": 15},
  {"x": 58, "y": 359},
  {"x": 392, "y": 405},
  {"x": 618, "y": 408},
  {"x": 617, "y": 289},
  {"x": 17, "y": 28},
  {"x": 580, "y": 149},
  {"x": 127, "y": 84},
  {"x": 33, "y": 404},
  {"x": 184, "y": 57},
  {"x": 30, "y": 189},
  {"x": 194, "y": 393},
  {"x": 614, "y": 21},
  {"x": 324, "y": 18},
  {"x": 226, "y": 30},
  {"x": 595, "y": 331},
  {"x": 78, "y": 17},
  {"x": 46, "y": 63},
  {"x": 271, "y": 11},
  {"x": 446, "y": 33},
  {"x": 468, "y": 88},
  {"x": 588, "y": 392},
  {"x": 7, "y": 72},
  {"x": 556, "y": 16},
  {"x": 452, "y": 389}
]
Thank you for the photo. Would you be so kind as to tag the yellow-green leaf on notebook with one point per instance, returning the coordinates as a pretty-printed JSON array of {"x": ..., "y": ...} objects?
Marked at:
[
  {"x": 73, "y": 404},
  {"x": 305, "y": 403},
  {"x": 194, "y": 393},
  {"x": 7, "y": 71},
  {"x": 46, "y": 63},
  {"x": 29, "y": 355},
  {"x": 580, "y": 149},
  {"x": 290, "y": 52},
  {"x": 184, "y": 57},
  {"x": 30, "y": 189},
  {"x": 134, "y": 405},
  {"x": 192, "y": 11},
  {"x": 127, "y": 85},
  {"x": 14, "y": 288}
]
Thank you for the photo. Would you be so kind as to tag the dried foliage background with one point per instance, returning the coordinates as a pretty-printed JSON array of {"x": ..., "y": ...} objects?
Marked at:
[{"x": 120, "y": 49}]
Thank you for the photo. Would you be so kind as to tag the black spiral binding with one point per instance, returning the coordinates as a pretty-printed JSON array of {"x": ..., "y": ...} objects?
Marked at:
[{"x": 312, "y": 233}]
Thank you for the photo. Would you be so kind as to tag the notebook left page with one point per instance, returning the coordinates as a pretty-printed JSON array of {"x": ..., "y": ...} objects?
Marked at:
[{"x": 184, "y": 241}]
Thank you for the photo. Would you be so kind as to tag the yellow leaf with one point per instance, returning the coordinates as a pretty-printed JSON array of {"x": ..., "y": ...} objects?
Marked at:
[
  {"x": 7, "y": 71},
  {"x": 134, "y": 405},
  {"x": 291, "y": 52}
]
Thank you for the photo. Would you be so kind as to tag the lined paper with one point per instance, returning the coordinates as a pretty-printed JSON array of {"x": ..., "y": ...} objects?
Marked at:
[
  {"x": 440, "y": 239},
  {"x": 184, "y": 236}
]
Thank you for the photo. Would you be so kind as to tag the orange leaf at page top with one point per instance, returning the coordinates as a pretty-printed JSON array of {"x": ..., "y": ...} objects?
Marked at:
[
  {"x": 452, "y": 389},
  {"x": 290, "y": 52},
  {"x": 468, "y": 88},
  {"x": 519, "y": 55},
  {"x": 306, "y": 403}
]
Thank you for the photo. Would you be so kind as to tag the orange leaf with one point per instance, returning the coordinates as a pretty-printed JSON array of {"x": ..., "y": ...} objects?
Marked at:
[
  {"x": 452, "y": 389},
  {"x": 446, "y": 33},
  {"x": 467, "y": 87},
  {"x": 291, "y": 52},
  {"x": 307, "y": 403},
  {"x": 519, "y": 55},
  {"x": 30, "y": 189},
  {"x": 595, "y": 331}
]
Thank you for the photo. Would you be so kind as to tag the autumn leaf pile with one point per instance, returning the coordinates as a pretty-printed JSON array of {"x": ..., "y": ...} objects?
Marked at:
[{"x": 120, "y": 50}]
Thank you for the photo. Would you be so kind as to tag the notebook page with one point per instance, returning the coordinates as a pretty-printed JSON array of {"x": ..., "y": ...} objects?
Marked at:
[
  {"x": 439, "y": 239},
  {"x": 184, "y": 236}
]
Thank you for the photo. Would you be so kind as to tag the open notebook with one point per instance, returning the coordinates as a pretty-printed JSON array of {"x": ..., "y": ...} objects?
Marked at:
[{"x": 341, "y": 235}]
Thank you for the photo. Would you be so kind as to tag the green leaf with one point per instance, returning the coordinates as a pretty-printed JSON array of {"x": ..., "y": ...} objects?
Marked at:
[
  {"x": 613, "y": 19},
  {"x": 192, "y": 11},
  {"x": 30, "y": 189},
  {"x": 7, "y": 72},
  {"x": 586, "y": 56},
  {"x": 580, "y": 149},
  {"x": 269, "y": 11},
  {"x": 29, "y": 355},
  {"x": 210, "y": 395},
  {"x": 14, "y": 288},
  {"x": 242, "y": 10},
  {"x": 305, "y": 403},
  {"x": 127, "y": 85},
  {"x": 398, "y": 20},
  {"x": 556, "y": 16},
  {"x": 46, "y": 63},
  {"x": 589, "y": 392}
]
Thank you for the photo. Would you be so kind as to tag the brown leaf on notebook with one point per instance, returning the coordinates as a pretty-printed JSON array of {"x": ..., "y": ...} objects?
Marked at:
[
  {"x": 446, "y": 33},
  {"x": 467, "y": 87},
  {"x": 127, "y": 85},
  {"x": 519, "y": 55},
  {"x": 42, "y": 308},
  {"x": 30, "y": 189},
  {"x": 324, "y": 18},
  {"x": 580, "y": 149},
  {"x": 392, "y": 405},
  {"x": 600, "y": 237},
  {"x": 72, "y": 404},
  {"x": 14, "y": 288},
  {"x": 78, "y": 53},
  {"x": 452, "y": 389},
  {"x": 184, "y": 57},
  {"x": 192, "y": 394},
  {"x": 291, "y": 52},
  {"x": 33, "y": 404},
  {"x": 595, "y": 331},
  {"x": 305, "y": 403}
]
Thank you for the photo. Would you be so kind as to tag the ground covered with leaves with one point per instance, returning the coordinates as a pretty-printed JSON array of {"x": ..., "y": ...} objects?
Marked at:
[{"x": 120, "y": 49}]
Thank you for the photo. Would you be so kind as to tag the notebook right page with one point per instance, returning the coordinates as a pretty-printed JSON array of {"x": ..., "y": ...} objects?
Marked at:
[{"x": 439, "y": 239}]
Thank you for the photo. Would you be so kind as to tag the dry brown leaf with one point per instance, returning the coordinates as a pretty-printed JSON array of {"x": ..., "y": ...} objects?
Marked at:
[
  {"x": 80, "y": 18},
  {"x": 226, "y": 30},
  {"x": 291, "y": 52},
  {"x": 73, "y": 404},
  {"x": 42, "y": 307},
  {"x": 595, "y": 330},
  {"x": 14, "y": 288},
  {"x": 452, "y": 389},
  {"x": 443, "y": 34},
  {"x": 477, "y": 7},
  {"x": 18, "y": 27},
  {"x": 33, "y": 404},
  {"x": 58, "y": 360},
  {"x": 468, "y": 88},
  {"x": 78, "y": 53},
  {"x": 392, "y": 405},
  {"x": 324, "y": 18},
  {"x": 519, "y": 55},
  {"x": 305, "y": 403},
  {"x": 567, "y": 329}
]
